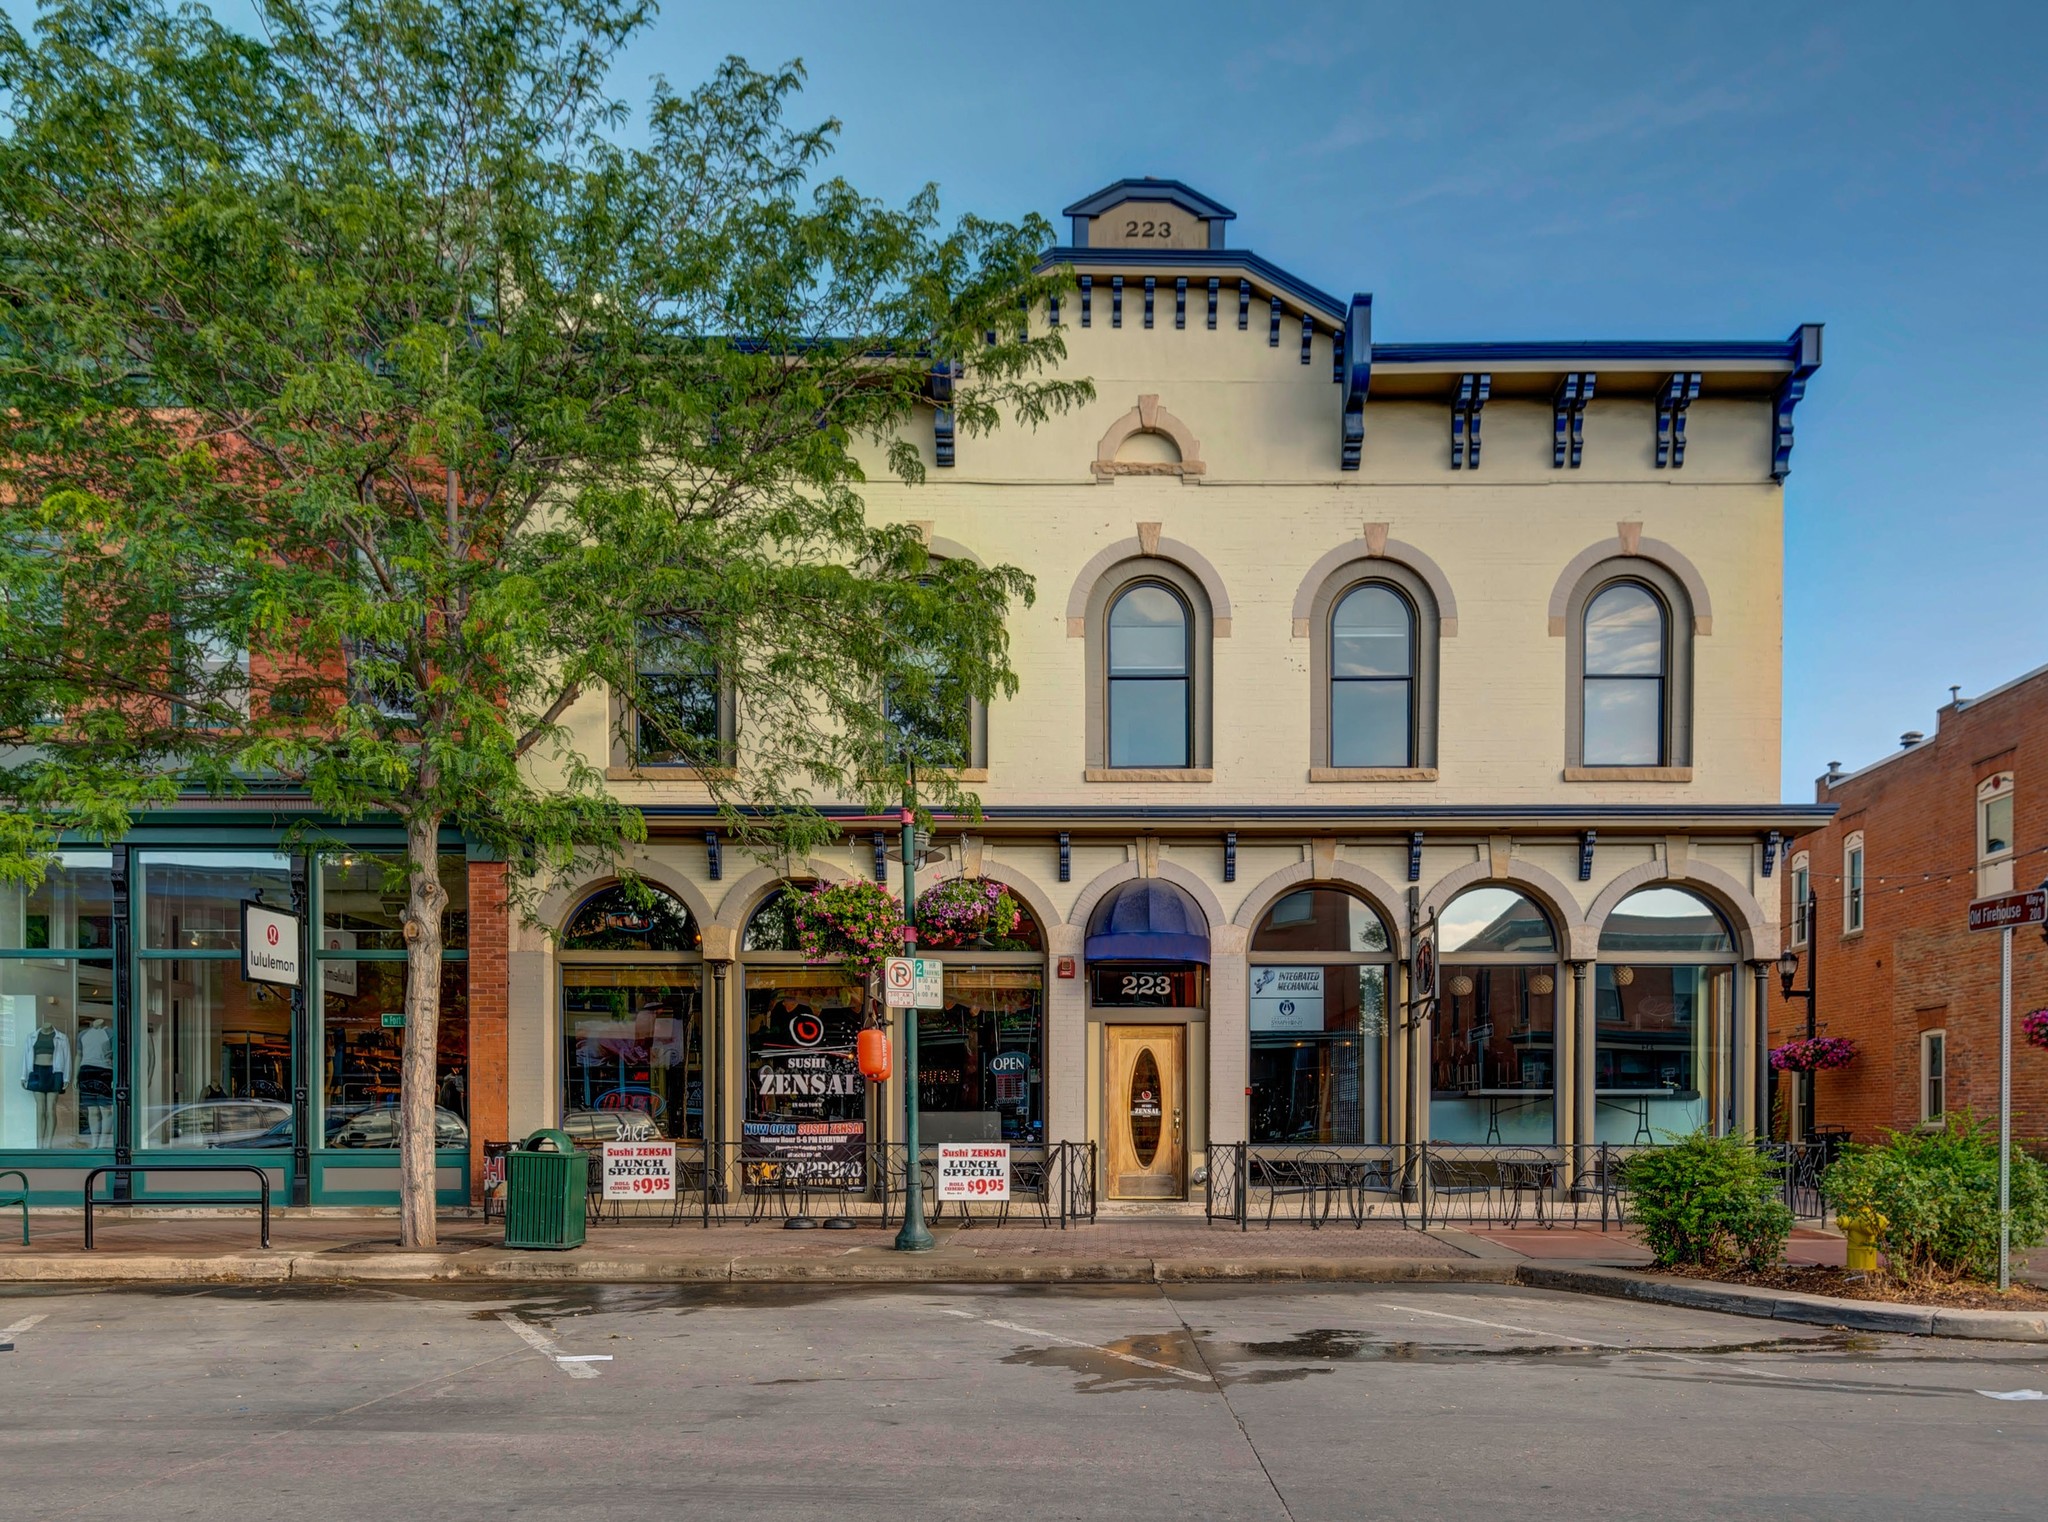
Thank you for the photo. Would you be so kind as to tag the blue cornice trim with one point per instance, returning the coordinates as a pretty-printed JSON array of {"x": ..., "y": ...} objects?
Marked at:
[
  {"x": 1805, "y": 360},
  {"x": 1269, "y": 273},
  {"x": 1797, "y": 818},
  {"x": 1783, "y": 351}
]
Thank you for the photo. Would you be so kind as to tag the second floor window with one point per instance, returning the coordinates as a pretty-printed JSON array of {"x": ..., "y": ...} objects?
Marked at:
[
  {"x": 216, "y": 679},
  {"x": 1372, "y": 679},
  {"x": 1852, "y": 885},
  {"x": 935, "y": 721},
  {"x": 676, "y": 719},
  {"x": 1802, "y": 902},
  {"x": 1151, "y": 691},
  {"x": 1625, "y": 651},
  {"x": 1994, "y": 835}
]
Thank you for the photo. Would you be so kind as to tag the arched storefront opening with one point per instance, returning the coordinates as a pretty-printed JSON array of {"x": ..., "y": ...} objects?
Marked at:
[
  {"x": 807, "y": 1115},
  {"x": 1663, "y": 1019},
  {"x": 1321, "y": 973},
  {"x": 981, "y": 1059},
  {"x": 633, "y": 1022},
  {"x": 1148, "y": 963},
  {"x": 1493, "y": 1046}
]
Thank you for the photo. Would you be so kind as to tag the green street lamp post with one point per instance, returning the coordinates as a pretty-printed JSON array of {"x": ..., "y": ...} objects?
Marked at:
[{"x": 915, "y": 1235}]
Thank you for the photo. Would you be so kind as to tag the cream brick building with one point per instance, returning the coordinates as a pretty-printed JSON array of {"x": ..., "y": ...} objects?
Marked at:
[{"x": 1254, "y": 458}]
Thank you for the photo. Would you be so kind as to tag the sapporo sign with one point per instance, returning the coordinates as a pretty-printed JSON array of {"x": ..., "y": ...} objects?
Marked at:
[
  {"x": 974, "y": 1170},
  {"x": 914, "y": 982},
  {"x": 2010, "y": 910},
  {"x": 270, "y": 945},
  {"x": 639, "y": 1170}
]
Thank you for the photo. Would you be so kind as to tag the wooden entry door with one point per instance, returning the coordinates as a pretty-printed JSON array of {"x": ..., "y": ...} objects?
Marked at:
[{"x": 1145, "y": 1111}]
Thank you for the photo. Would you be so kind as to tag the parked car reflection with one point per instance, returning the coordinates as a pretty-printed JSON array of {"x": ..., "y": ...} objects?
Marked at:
[
  {"x": 376, "y": 1125},
  {"x": 221, "y": 1123},
  {"x": 610, "y": 1125}
]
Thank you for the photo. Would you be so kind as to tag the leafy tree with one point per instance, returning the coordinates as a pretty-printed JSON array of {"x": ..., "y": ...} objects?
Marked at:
[{"x": 371, "y": 407}]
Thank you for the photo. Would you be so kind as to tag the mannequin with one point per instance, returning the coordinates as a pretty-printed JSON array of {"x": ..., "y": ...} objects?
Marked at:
[
  {"x": 46, "y": 1073},
  {"x": 96, "y": 1082}
]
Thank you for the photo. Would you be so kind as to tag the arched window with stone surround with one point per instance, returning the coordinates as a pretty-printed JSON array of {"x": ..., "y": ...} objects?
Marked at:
[
  {"x": 1493, "y": 1044},
  {"x": 1151, "y": 687},
  {"x": 1629, "y": 701},
  {"x": 1372, "y": 678}
]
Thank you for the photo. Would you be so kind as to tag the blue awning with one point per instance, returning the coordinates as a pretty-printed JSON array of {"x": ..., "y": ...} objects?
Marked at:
[{"x": 1148, "y": 921}]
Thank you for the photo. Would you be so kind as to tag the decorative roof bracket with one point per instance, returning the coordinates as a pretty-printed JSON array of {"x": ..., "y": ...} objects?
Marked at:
[
  {"x": 1357, "y": 351},
  {"x": 1568, "y": 418},
  {"x": 1805, "y": 347},
  {"x": 1677, "y": 393},
  {"x": 1473, "y": 391}
]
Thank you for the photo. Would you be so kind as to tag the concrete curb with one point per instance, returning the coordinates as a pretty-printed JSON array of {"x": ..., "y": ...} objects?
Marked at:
[
  {"x": 1786, "y": 1305},
  {"x": 499, "y": 1266}
]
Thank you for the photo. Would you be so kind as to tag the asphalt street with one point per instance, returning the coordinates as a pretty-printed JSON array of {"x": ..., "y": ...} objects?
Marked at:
[{"x": 1268, "y": 1401}]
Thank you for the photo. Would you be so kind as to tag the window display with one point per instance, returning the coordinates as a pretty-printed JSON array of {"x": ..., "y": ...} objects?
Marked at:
[
  {"x": 363, "y": 1039},
  {"x": 980, "y": 1060},
  {"x": 632, "y": 1053}
]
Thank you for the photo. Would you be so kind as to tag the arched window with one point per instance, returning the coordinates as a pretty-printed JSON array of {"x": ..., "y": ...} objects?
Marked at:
[
  {"x": 1151, "y": 679},
  {"x": 1663, "y": 1002},
  {"x": 615, "y": 919},
  {"x": 1372, "y": 678},
  {"x": 633, "y": 1018},
  {"x": 1322, "y": 965},
  {"x": 1627, "y": 647},
  {"x": 1493, "y": 1044}
]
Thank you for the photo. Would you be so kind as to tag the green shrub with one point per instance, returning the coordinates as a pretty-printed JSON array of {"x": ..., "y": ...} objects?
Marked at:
[
  {"x": 1935, "y": 1197},
  {"x": 1708, "y": 1201}
]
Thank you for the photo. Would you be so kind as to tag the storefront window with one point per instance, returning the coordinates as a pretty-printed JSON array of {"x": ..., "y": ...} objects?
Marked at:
[
  {"x": 981, "y": 1059},
  {"x": 1663, "y": 1007},
  {"x": 1318, "y": 1017},
  {"x": 214, "y": 1068},
  {"x": 1493, "y": 1067},
  {"x": 806, "y": 1115},
  {"x": 363, "y": 898},
  {"x": 363, "y": 1039},
  {"x": 632, "y": 1053},
  {"x": 56, "y": 1052},
  {"x": 192, "y": 902},
  {"x": 57, "y": 1012}
]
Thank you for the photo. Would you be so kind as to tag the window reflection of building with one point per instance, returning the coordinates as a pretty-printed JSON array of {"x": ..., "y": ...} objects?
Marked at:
[
  {"x": 1663, "y": 1017},
  {"x": 633, "y": 1029},
  {"x": 1321, "y": 965},
  {"x": 1493, "y": 1043}
]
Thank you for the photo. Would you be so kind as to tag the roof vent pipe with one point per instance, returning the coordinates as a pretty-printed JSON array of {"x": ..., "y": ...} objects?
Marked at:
[
  {"x": 1911, "y": 738},
  {"x": 1834, "y": 771}
]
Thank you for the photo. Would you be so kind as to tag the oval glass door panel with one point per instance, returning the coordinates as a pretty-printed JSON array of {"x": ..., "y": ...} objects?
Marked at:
[{"x": 1146, "y": 1108}]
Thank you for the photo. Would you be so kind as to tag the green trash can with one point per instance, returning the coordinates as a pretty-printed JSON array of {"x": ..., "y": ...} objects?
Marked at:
[{"x": 545, "y": 1183}]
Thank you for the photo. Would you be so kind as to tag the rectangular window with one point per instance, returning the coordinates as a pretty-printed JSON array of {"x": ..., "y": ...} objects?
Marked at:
[
  {"x": 633, "y": 1053},
  {"x": 362, "y": 1038},
  {"x": 1802, "y": 903},
  {"x": 363, "y": 899},
  {"x": 56, "y": 1051},
  {"x": 676, "y": 717},
  {"x": 192, "y": 901},
  {"x": 1661, "y": 1051},
  {"x": 214, "y": 1068},
  {"x": 1994, "y": 835},
  {"x": 981, "y": 1059},
  {"x": 1493, "y": 1054},
  {"x": 1852, "y": 887},
  {"x": 1317, "y": 1039},
  {"x": 217, "y": 680},
  {"x": 806, "y": 1109},
  {"x": 1933, "y": 1077}
]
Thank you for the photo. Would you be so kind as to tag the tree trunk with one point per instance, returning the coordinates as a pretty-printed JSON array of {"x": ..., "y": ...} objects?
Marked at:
[{"x": 419, "y": 1075}]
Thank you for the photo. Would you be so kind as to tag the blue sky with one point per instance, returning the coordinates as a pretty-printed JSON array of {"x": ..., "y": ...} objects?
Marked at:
[{"x": 1595, "y": 170}]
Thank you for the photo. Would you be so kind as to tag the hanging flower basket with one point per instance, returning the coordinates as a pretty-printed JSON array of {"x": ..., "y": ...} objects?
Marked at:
[
  {"x": 2035, "y": 1028},
  {"x": 856, "y": 924},
  {"x": 1813, "y": 1054},
  {"x": 966, "y": 911}
]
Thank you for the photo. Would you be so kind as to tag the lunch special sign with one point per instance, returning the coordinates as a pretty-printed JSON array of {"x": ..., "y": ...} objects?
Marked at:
[{"x": 639, "y": 1170}]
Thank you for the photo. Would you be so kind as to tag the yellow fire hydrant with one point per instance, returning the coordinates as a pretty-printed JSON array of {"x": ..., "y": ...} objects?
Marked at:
[{"x": 1862, "y": 1228}]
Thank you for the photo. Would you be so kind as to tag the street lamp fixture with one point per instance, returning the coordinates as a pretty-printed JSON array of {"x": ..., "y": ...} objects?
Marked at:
[{"x": 1788, "y": 969}]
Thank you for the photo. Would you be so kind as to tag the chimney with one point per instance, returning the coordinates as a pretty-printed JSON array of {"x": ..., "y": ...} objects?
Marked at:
[{"x": 1910, "y": 738}]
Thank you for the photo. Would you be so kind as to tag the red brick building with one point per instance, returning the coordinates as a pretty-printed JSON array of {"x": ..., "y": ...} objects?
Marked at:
[{"x": 1948, "y": 817}]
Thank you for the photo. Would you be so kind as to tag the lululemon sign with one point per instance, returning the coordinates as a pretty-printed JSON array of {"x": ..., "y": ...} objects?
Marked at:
[{"x": 270, "y": 945}]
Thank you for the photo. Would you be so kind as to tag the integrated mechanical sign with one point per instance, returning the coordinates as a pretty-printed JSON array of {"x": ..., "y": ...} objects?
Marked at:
[{"x": 2010, "y": 910}]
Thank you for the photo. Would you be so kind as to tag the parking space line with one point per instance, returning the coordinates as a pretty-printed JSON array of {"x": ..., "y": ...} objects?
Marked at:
[
  {"x": 9, "y": 1333},
  {"x": 1587, "y": 1342},
  {"x": 540, "y": 1342},
  {"x": 1074, "y": 1342}
]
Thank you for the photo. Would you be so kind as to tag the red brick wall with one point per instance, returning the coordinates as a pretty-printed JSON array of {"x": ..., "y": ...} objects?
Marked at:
[
  {"x": 490, "y": 940},
  {"x": 1915, "y": 966}
]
